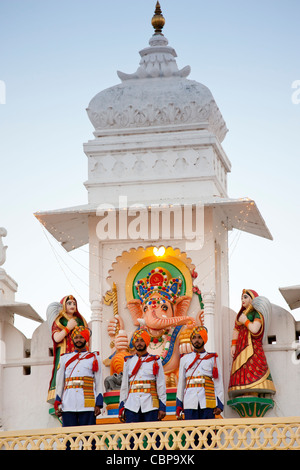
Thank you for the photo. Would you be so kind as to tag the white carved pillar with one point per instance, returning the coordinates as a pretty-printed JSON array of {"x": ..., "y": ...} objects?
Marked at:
[
  {"x": 96, "y": 323},
  {"x": 95, "y": 261},
  {"x": 209, "y": 319}
]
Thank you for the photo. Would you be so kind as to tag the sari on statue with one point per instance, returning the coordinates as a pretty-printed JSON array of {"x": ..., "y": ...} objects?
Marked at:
[{"x": 250, "y": 374}]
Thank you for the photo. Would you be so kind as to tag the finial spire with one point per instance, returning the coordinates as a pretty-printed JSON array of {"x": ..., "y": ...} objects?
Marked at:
[
  {"x": 158, "y": 20},
  {"x": 158, "y": 60}
]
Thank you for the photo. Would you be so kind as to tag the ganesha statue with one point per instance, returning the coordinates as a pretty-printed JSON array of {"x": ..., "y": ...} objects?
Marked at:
[{"x": 161, "y": 308}]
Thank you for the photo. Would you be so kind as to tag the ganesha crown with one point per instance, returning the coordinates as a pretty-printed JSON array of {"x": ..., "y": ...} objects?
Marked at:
[{"x": 158, "y": 283}]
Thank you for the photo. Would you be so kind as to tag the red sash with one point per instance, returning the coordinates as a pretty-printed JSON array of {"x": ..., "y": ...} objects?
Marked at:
[
  {"x": 87, "y": 356},
  {"x": 208, "y": 356},
  {"x": 140, "y": 362}
]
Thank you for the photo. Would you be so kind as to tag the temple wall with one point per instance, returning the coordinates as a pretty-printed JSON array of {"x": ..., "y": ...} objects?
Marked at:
[{"x": 25, "y": 376}]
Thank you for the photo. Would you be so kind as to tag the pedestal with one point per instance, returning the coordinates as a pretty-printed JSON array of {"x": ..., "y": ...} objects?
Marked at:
[{"x": 251, "y": 407}]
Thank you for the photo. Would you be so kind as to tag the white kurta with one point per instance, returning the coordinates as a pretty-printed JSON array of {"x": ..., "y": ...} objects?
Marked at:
[
  {"x": 73, "y": 398},
  {"x": 194, "y": 396},
  {"x": 141, "y": 400}
]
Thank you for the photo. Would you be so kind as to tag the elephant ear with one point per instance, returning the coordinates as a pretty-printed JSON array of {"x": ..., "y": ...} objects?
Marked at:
[
  {"x": 135, "y": 309},
  {"x": 182, "y": 306}
]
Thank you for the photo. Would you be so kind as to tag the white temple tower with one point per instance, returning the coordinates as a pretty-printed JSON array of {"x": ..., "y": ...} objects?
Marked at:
[{"x": 156, "y": 157}]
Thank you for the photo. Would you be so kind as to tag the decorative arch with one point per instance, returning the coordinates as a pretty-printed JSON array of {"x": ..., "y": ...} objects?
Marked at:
[{"x": 137, "y": 262}]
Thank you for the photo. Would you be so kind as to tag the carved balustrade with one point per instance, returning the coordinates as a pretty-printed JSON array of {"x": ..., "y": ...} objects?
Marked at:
[{"x": 219, "y": 434}]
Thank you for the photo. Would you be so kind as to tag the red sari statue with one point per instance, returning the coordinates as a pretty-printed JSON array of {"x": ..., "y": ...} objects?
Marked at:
[
  {"x": 62, "y": 318},
  {"x": 250, "y": 374}
]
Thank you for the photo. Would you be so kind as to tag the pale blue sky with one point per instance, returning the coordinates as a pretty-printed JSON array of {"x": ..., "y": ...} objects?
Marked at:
[{"x": 56, "y": 55}]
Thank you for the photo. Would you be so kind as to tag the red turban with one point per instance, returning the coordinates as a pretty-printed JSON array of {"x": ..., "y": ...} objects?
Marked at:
[
  {"x": 82, "y": 331},
  {"x": 141, "y": 334},
  {"x": 202, "y": 331}
]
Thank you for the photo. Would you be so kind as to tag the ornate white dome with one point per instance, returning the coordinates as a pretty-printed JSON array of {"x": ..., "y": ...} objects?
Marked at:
[{"x": 158, "y": 94}]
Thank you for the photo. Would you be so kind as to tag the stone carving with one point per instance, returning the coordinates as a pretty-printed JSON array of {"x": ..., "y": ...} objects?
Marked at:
[
  {"x": 157, "y": 94},
  {"x": 158, "y": 60},
  {"x": 113, "y": 382},
  {"x": 171, "y": 113},
  {"x": 156, "y": 165}
]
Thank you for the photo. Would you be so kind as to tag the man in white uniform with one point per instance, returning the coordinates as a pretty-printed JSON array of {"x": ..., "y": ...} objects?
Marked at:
[
  {"x": 79, "y": 392},
  {"x": 143, "y": 389},
  {"x": 200, "y": 393}
]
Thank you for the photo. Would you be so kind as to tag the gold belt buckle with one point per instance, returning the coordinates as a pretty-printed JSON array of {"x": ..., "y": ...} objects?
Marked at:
[
  {"x": 199, "y": 380},
  {"x": 77, "y": 382}
]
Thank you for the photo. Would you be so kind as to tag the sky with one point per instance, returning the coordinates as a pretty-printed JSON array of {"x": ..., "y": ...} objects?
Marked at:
[{"x": 55, "y": 56}]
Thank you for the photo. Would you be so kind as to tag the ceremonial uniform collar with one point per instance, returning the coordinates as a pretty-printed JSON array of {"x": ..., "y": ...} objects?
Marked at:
[{"x": 200, "y": 353}]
